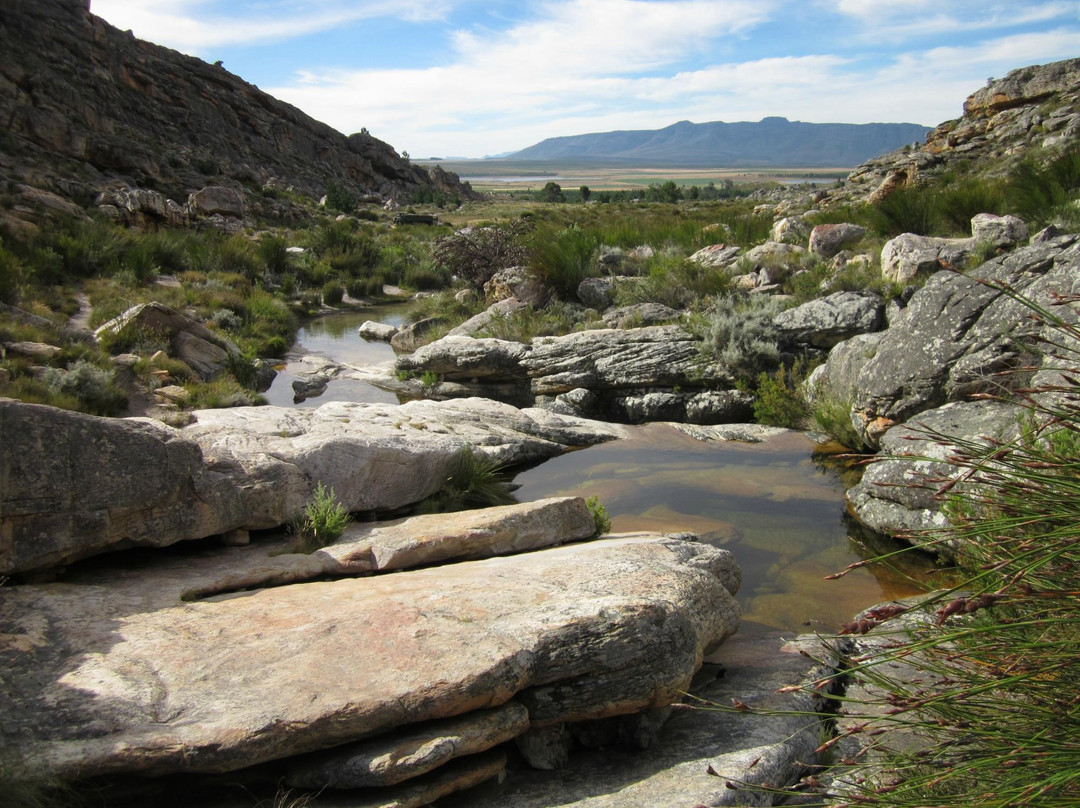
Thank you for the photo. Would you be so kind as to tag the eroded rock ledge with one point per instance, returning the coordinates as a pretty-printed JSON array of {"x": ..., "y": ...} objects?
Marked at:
[
  {"x": 139, "y": 669},
  {"x": 76, "y": 485}
]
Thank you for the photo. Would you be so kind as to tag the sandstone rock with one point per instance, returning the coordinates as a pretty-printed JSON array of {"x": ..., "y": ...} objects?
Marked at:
[
  {"x": 517, "y": 283},
  {"x": 412, "y": 336},
  {"x": 380, "y": 332},
  {"x": 309, "y": 386},
  {"x": 621, "y": 358},
  {"x": 826, "y": 240},
  {"x": 124, "y": 482},
  {"x": 598, "y": 293},
  {"x": 505, "y": 307},
  {"x": 217, "y": 199},
  {"x": 49, "y": 201},
  {"x": 897, "y": 494},
  {"x": 546, "y": 748},
  {"x": 790, "y": 230},
  {"x": 38, "y": 351},
  {"x": 698, "y": 751},
  {"x": 958, "y": 336},
  {"x": 716, "y": 255},
  {"x": 423, "y": 540},
  {"x": 829, "y": 320},
  {"x": 775, "y": 258},
  {"x": 133, "y": 679},
  {"x": 398, "y": 756},
  {"x": 201, "y": 349},
  {"x": 1001, "y": 231},
  {"x": 640, "y": 314},
  {"x": 907, "y": 256},
  {"x": 458, "y": 357}
]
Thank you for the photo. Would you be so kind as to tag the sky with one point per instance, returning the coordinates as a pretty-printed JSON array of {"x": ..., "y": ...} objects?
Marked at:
[{"x": 463, "y": 78}]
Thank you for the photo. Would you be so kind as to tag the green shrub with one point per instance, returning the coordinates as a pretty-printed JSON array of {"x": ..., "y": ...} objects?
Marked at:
[
  {"x": 333, "y": 293},
  {"x": 905, "y": 210},
  {"x": 564, "y": 258},
  {"x": 474, "y": 481},
  {"x": 93, "y": 387},
  {"x": 832, "y": 416},
  {"x": 779, "y": 400},
  {"x": 600, "y": 516},
  {"x": 365, "y": 287},
  {"x": 741, "y": 334},
  {"x": 1041, "y": 194},
  {"x": 323, "y": 521}
]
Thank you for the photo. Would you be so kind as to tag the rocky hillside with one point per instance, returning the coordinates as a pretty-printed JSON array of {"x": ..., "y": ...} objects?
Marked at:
[
  {"x": 87, "y": 107},
  {"x": 1033, "y": 109},
  {"x": 768, "y": 142}
]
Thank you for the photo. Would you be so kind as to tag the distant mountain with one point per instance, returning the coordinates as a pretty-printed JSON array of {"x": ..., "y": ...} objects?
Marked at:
[{"x": 771, "y": 142}]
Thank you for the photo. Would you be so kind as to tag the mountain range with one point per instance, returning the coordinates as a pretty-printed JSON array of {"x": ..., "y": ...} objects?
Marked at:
[{"x": 767, "y": 143}]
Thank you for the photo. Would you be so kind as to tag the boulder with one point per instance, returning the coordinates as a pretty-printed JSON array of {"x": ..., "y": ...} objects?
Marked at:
[
  {"x": 412, "y": 336},
  {"x": 517, "y": 283},
  {"x": 1001, "y": 231},
  {"x": 217, "y": 199},
  {"x": 654, "y": 356},
  {"x": 907, "y": 256},
  {"x": 136, "y": 678},
  {"x": 503, "y": 308},
  {"x": 640, "y": 314},
  {"x": 898, "y": 493},
  {"x": 462, "y": 357},
  {"x": 134, "y": 482},
  {"x": 38, "y": 351},
  {"x": 826, "y": 240},
  {"x": 597, "y": 293},
  {"x": 959, "y": 336},
  {"x": 716, "y": 255},
  {"x": 829, "y": 320},
  {"x": 379, "y": 332},
  {"x": 776, "y": 259},
  {"x": 790, "y": 230},
  {"x": 203, "y": 350}
]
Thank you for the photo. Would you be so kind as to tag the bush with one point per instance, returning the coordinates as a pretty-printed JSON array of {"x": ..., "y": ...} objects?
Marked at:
[
  {"x": 475, "y": 254},
  {"x": 92, "y": 386},
  {"x": 333, "y": 293},
  {"x": 779, "y": 400},
  {"x": 742, "y": 336},
  {"x": 474, "y": 481},
  {"x": 563, "y": 259},
  {"x": 323, "y": 521},
  {"x": 600, "y": 516}
]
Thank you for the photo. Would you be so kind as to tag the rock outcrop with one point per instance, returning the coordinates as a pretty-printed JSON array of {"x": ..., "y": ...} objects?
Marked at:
[
  {"x": 117, "y": 483},
  {"x": 630, "y": 375},
  {"x": 146, "y": 116},
  {"x": 375, "y": 680},
  {"x": 1035, "y": 107}
]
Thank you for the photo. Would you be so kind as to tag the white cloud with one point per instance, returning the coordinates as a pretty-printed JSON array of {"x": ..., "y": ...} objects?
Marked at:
[{"x": 193, "y": 26}]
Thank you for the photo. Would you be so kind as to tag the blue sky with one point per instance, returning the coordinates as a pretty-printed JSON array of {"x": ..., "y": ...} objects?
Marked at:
[{"x": 469, "y": 78}]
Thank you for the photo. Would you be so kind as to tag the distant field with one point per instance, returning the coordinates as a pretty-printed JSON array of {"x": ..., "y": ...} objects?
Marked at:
[{"x": 500, "y": 175}]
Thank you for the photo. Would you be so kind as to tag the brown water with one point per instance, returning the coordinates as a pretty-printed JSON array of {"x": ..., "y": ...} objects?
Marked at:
[
  {"x": 775, "y": 505},
  {"x": 778, "y": 506}
]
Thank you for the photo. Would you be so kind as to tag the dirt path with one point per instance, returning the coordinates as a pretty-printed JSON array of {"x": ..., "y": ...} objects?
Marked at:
[{"x": 80, "y": 320}]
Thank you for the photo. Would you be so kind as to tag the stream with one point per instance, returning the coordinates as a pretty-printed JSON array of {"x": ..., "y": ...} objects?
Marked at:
[{"x": 777, "y": 505}]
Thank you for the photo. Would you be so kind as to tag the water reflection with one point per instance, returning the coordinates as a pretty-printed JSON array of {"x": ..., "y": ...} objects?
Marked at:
[
  {"x": 780, "y": 511},
  {"x": 334, "y": 337}
]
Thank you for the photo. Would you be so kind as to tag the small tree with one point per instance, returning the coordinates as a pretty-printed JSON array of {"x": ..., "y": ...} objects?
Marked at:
[
  {"x": 552, "y": 192},
  {"x": 585, "y": 193}
]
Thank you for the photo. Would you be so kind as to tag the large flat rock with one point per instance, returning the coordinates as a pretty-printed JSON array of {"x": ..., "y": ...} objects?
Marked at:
[
  {"x": 111, "y": 671},
  {"x": 75, "y": 485}
]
